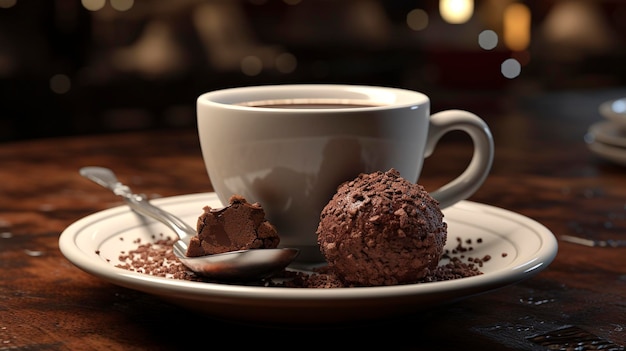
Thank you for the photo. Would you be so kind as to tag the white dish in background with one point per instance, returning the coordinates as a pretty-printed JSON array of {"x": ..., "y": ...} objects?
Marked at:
[
  {"x": 608, "y": 152},
  {"x": 608, "y": 132},
  {"x": 614, "y": 110},
  {"x": 519, "y": 248}
]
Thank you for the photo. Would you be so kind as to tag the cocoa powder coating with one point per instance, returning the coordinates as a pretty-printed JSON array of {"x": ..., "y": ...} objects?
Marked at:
[{"x": 380, "y": 229}]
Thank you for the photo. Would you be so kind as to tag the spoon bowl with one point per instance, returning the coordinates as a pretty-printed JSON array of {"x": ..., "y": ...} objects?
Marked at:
[{"x": 241, "y": 265}]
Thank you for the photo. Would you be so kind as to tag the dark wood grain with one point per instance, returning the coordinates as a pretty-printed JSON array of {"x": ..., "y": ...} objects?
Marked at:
[{"x": 542, "y": 170}]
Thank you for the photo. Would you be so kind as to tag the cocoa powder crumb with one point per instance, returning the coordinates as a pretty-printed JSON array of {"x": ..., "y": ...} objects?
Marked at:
[{"x": 157, "y": 258}]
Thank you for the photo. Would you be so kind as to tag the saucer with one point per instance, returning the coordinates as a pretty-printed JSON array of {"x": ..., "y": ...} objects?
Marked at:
[
  {"x": 614, "y": 110},
  {"x": 608, "y": 152},
  {"x": 608, "y": 132},
  {"x": 519, "y": 248}
]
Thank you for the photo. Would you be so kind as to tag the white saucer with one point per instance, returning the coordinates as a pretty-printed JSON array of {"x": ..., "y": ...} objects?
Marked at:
[
  {"x": 529, "y": 247},
  {"x": 614, "y": 110},
  {"x": 608, "y": 152},
  {"x": 608, "y": 132}
]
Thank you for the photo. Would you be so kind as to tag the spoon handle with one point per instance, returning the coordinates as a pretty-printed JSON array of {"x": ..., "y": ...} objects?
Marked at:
[{"x": 139, "y": 203}]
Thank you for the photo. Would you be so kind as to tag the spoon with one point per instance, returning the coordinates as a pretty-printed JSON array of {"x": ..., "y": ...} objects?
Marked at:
[{"x": 239, "y": 265}]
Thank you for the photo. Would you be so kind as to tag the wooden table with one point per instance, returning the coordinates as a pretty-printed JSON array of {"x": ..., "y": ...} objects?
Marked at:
[{"x": 542, "y": 170}]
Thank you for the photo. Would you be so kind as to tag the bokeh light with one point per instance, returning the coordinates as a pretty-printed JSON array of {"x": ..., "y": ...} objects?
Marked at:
[
  {"x": 417, "y": 19},
  {"x": 511, "y": 68},
  {"x": 456, "y": 11},
  {"x": 516, "y": 26},
  {"x": 619, "y": 106},
  {"x": 286, "y": 63},
  {"x": 93, "y": 5},
  {"x": 488, "y": 39},
  {"x": 251, "y": 65},
  {"x": 60, "y": 83},
  {"x": 122, "y": 5}
]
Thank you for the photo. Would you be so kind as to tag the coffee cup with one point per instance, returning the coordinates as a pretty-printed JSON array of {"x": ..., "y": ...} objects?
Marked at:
[{"x": 288, "y": 147}]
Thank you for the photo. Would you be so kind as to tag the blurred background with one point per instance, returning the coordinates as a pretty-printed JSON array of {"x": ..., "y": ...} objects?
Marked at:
[{"x": 70, "y": 67}]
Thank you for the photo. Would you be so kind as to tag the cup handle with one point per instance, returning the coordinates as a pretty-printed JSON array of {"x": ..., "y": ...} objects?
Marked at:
[{"x": 466, "y": 184}]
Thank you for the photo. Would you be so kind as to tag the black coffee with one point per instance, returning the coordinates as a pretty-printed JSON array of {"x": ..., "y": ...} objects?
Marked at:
[{"x": 310, "y": 103}]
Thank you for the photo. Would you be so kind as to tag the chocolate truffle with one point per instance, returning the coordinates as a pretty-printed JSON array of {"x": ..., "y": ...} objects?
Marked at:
[
  {"x": 238, "y": 226},
  {"x": 380, "y": 229}
]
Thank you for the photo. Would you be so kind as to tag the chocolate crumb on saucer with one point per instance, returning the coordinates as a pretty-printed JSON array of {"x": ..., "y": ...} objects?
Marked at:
[{"x": 157, "y": 259}]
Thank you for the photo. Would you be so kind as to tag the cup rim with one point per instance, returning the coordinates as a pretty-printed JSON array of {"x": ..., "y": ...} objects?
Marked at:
[{"x": 382, "y": 97}]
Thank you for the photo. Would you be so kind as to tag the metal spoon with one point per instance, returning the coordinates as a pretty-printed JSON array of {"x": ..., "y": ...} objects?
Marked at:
[{"x": 235, "y": 265}]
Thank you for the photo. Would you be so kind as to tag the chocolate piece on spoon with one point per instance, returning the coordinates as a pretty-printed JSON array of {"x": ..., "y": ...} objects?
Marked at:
[{"x": 238, "y": 265}]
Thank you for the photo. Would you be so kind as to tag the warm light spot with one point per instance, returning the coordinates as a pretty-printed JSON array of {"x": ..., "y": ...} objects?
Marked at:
[
  {"x": 578, "y": 25},
  {"x": 122, "y": 5},
  {"x": 251, "y": 65},
  {"x": 417, "y": 19},
  {"x": 516, "y": 28},
  {"x": 93, "y": 5},
  {"x": 7, "y": 4},
  {"x": 60, "y": 83},
  {"x": 511, "y": 68},
  {"x": 488, "y": 39},
  {"x": 286, "y": 63},
  {"x": 456, "y": 11}
]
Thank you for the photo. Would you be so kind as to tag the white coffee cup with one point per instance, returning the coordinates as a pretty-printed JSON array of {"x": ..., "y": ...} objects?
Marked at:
[{"x": 288, "y": 147}]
